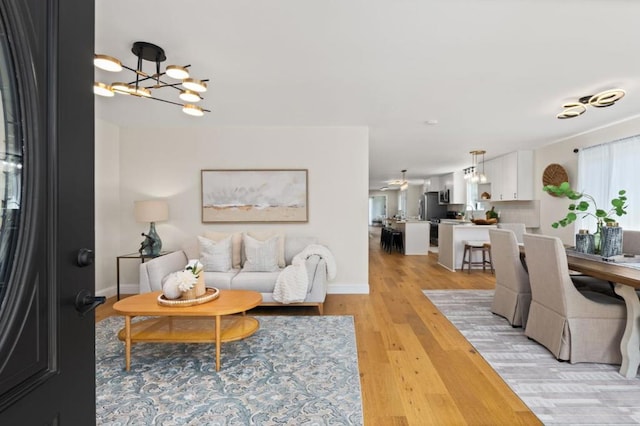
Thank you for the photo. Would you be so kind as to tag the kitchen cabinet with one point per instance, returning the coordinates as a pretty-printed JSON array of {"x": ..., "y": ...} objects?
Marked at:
[
  {"x": 511, "y": 176},
  {"x": 458, "y": 193},
  {"x": 416, "y": 236},
  {"x": 451, "y": 238},
  {"x": 457, "y": 186},
  {"x": 434, "y": 183}
]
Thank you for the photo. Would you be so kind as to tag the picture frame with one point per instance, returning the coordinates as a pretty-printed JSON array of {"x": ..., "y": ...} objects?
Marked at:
[{"x": 254, "y": 195}]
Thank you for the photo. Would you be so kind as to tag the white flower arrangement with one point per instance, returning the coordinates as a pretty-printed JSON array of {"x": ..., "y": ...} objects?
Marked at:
[{"x": 187, "y": 279}]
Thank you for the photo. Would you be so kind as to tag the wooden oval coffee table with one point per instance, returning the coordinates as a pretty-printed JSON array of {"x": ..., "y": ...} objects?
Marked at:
[{"x": 188, "y": 324}]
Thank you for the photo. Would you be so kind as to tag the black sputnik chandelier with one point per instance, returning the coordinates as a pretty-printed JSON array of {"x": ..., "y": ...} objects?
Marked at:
[{"x": 187, "y": 88}]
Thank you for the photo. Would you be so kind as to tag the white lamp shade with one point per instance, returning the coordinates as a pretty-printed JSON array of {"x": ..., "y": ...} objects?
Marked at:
[{"x": 151, "y": 210}]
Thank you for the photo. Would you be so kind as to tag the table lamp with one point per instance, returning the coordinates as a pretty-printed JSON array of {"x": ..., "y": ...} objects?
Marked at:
[{"x": 151, "y": 211}]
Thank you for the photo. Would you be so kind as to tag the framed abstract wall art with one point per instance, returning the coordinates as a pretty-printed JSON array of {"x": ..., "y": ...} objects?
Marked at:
[{"x": 255, "y": 195}]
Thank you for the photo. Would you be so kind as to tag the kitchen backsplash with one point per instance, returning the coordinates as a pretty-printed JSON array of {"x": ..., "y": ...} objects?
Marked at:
[{"x": 527, "y": 212}]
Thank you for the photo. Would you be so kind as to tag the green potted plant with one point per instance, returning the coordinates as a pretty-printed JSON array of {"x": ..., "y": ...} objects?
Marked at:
[{"x": 582, "y": 205}]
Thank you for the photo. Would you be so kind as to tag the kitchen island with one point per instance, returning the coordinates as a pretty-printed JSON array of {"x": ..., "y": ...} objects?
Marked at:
[
  {"x": 415, "y": 234},
  {"x": 452, "y": 235}
]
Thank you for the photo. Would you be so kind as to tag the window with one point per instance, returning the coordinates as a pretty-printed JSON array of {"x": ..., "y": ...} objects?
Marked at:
[{"x": 605, "y": 169}]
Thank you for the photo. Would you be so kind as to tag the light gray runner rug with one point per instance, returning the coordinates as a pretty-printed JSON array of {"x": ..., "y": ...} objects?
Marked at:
[
  {"x": 556, "y": 392},
  {"x": 294, "y": 370}
]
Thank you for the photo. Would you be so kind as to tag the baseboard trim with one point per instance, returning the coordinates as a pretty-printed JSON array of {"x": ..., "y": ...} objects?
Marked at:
[
  {"x": 338, "y": 288},
  {"x": 124, "y": 289}
]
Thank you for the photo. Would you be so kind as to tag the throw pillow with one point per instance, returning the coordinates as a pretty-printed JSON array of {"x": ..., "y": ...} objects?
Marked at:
[
  {"x": 261, "y": 256},
  {"x": 215, "y": 255},
  {"x": 265, "y": 235},
  {"x": 236, "y": 244}
]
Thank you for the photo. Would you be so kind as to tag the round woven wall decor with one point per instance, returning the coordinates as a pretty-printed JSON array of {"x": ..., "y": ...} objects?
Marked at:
[{"x": 554, "y": 174}]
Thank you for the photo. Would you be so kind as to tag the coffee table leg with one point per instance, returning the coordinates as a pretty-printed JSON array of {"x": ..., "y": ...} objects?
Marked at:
[
  {"x": 218, "y": 320},
  {"x": 127, "y": 342}
]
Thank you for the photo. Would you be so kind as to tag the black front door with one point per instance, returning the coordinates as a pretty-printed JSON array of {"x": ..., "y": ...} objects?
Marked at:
[{"x": 47, "y": 365}]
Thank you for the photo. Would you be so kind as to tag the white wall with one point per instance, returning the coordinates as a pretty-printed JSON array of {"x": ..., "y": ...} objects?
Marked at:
[
  {"x": 414, "y": 194},
  {"x": 167, "y": 163},
  {"x": 107, "y": 206},
  {"x": 552, "y": 208}
]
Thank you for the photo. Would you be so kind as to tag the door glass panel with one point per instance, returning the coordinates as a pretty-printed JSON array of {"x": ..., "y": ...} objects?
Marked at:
[{"x": 11, "y": 164}]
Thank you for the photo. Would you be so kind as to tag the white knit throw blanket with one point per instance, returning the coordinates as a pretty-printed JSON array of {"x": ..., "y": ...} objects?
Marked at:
[{"x": 292, "y": 284}]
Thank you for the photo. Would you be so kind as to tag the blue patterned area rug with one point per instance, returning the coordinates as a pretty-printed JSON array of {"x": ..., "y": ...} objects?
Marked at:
[
  {"x": 294, "y": 370},
  {"x": 558, "y": 393}
]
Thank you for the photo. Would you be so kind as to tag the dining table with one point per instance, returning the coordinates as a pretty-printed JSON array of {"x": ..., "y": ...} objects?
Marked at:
[{"x": 624, "y": 273}]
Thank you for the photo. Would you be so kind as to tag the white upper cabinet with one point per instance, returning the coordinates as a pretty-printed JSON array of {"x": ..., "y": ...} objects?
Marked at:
[
  {"x": 458, "y": 194},
  {"x": 457, "y": 186},
  {"x": 433, "y": 183},
  {"x": 511, "y": 176}
]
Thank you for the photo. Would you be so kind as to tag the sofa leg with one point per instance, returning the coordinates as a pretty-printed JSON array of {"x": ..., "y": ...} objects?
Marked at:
[{"x": 321, "y": 308}]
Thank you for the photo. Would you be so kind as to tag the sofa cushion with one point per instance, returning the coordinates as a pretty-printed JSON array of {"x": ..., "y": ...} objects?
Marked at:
[
  {"x": 265, "y": 235},
  {"x": 215, "y": 255},
  {"x": 262, "y": 282},
  {"x": 261, "y": 256},
  {"x": 236, "y": 244},
  {"x": 295, "y": 245},
  {"x": 160, "y": 267},
  {"x": 220, "y": 280}
]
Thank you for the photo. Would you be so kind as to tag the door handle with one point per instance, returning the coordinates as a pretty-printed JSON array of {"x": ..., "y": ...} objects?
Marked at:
[
  {"x": 85, "y": 257},
  {"x": 86, "y": 302}
]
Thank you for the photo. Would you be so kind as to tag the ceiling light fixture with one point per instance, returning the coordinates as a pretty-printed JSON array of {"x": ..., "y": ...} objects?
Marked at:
[
  {"x": 402, "y": 183},
  {"x": 145, "y": 84},
  {"x": 471, "y": 173},
  {"x": 599, "y": 100}
]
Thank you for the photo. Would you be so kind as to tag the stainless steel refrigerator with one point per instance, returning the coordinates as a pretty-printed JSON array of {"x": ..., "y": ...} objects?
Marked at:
[{"x": 434, "y": 210}]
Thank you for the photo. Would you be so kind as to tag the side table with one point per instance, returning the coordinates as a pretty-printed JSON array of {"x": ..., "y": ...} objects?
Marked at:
[{"x": 132, "y": 256}]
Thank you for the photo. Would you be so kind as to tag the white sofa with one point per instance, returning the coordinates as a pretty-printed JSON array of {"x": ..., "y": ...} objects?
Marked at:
[{"x": 153, "y": 272}]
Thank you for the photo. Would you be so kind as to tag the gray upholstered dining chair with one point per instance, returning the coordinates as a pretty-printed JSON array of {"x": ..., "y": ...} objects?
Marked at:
[
  {"x": 578, "y": 326},
  {"x": 630, "y": 242},
  {"x": 518, "y": 229},
  {"x": 512, "y": 296}
]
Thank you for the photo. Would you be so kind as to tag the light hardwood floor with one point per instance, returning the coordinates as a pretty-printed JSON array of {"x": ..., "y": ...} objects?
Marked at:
[{"x": 415, "y": 367}]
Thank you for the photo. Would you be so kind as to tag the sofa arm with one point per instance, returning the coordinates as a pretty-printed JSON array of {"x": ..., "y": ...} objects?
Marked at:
[
  {"x": 317, "y": 270},
  {"x": 152, "y": 272}
]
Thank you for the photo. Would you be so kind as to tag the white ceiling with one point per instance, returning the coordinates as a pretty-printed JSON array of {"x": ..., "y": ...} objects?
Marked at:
[{"x": 493, "y": 73}]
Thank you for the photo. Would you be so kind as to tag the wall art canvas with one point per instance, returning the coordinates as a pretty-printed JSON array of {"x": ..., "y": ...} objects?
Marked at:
[{"x": 254, "y": 195}]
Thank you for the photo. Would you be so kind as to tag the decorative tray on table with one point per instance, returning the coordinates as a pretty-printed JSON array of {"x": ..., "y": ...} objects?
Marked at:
[{"x": 211, "y": 294}]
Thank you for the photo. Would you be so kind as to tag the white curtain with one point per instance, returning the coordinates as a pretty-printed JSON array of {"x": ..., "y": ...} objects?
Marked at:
[{"x": 603, "y": 170}]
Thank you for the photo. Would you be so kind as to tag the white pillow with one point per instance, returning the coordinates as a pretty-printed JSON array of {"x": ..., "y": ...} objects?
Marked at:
[
  {"x": 236, "y": 243},
  {"x": 261, "y": 256},
  {"x": 215, "y": 255},
  {"x": 265, "y": 235}
]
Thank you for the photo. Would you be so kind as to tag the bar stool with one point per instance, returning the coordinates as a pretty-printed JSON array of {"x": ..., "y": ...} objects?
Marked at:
[
  {"x": 467, "y": 255},
  {"x": 397, "y": 240},
  {"x": 386, "y": 239}
]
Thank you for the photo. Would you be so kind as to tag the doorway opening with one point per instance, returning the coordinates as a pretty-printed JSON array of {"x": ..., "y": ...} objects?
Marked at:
[{"x": 377, "y": 210}]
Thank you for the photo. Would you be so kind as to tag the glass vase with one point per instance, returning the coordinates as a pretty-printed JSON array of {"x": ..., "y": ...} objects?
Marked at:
[{"x": 597, "y": 239}]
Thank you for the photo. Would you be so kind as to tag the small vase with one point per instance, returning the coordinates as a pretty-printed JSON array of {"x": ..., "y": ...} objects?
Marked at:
[
  {"x": 196, "y": 291},
  {"x": 200, "y": 287},
  {"x": 597, "y": 239},
  {"x": 585, "y": 242},
  {"x": 611, "y": 241}
]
